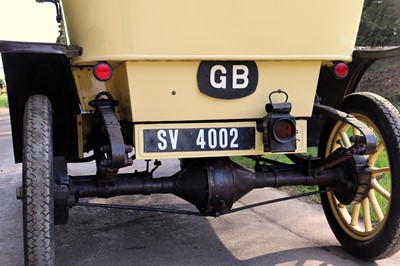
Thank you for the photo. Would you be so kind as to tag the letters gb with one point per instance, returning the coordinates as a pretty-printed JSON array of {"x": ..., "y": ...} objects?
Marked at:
[
  {"x": 227, "y": 79},
  {"x": 219, "y": 74}
]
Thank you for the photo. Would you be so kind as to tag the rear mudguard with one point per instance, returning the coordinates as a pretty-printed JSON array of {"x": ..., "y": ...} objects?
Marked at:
[
  {"x": 331, "y": 90},
  {"x": 41, "y": 68}
]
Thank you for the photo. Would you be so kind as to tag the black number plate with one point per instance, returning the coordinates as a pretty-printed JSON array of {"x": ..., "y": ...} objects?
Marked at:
[{"x": 199, "y": 139}]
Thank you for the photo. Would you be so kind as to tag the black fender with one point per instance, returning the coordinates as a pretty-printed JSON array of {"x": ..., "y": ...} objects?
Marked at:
[
  {"x": 42, "y": 68},
  {"x": 332, "y": 90}
]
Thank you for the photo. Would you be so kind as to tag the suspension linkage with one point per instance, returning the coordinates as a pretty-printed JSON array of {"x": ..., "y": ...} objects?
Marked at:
[
  {"x": 365, "y": 144},
  {"x": 192, "y": 213}
]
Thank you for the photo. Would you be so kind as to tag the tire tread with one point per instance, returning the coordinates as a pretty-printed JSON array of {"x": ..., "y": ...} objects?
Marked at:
[{"x": 37, "y": 172}]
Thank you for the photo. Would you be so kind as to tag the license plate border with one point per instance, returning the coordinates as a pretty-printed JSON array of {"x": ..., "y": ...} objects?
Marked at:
[{"x": 141, "y": 154}]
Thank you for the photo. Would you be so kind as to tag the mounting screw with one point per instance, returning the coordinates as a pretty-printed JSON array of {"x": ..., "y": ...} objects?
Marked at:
[
  {"x": 18, "y": 193},
  {"x": 128, "y": 148},
  {"x": 129, "y": 161},
  {"x": 105, "y": 149}
]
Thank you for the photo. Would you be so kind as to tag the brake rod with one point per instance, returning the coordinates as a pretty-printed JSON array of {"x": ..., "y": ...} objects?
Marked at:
[{"x": 192, "y": 213}]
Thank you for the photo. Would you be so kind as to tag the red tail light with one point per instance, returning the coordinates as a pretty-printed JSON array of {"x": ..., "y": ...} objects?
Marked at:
[
  {"x": 102, "y": 71},
  {"x": 284, "y": 130},
  {"x": 341, "y": 70}
]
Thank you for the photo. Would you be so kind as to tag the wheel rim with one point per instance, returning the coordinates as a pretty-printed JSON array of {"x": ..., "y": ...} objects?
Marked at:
[{"x": 363, "y": 221}]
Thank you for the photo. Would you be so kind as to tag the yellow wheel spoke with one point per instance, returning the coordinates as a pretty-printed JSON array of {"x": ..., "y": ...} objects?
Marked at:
[
  {"x": 345, "y": 139},
  {"x": 375, "y": 205},
  {"x": 379, "y": 171},
  {"x": 375, "y": 185},
  {"x": 355, "y": 214},
  {"x": 372, "y": 158},
  {"x": 356, "y": 132},
  {"x": 367, "y": 215}
]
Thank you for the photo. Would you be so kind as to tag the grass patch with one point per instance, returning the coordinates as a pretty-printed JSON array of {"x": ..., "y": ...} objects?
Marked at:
[
  {"x": 296, "y": 190},
  {"x": 244, "y": 161},
  {"x": 3, "y": 100}
]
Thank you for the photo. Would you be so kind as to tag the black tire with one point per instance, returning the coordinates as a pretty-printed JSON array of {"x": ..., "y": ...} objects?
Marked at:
[
  {"x": 363, "y": 230},
  {"x": 37, "y": 182}
]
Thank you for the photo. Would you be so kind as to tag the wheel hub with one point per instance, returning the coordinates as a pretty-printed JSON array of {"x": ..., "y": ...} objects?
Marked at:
[{"x": 358, "y": 181}]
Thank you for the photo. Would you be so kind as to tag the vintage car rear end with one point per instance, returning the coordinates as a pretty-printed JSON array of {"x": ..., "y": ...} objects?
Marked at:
[
  {"x": 202, "y": 81},
  {"x": 210, "y": 65}
]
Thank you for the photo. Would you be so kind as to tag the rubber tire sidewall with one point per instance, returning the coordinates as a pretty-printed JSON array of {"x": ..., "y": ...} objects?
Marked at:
[
  {"x": 37, "y": 182},
  {"x": 386, "y": 119}
]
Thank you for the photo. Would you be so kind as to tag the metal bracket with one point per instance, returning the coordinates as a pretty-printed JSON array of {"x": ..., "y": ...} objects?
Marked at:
[
  {"x": 58, "y": 7},
  {"x": 365, "y": 144},
  {"x": 62, "y": 198},
  {"x": 114, "y": 155}
]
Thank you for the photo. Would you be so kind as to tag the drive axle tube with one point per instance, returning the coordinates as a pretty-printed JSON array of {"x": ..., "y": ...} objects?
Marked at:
[{"x": 212, "y": 185}]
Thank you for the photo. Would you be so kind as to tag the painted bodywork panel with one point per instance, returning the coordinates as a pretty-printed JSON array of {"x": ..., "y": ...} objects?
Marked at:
[
  {"x": 213, "y": 30},
  {"x": 168, "y": 91}
]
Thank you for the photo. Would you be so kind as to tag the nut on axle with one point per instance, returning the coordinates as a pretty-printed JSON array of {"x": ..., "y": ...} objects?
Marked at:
[{"x": 18, "y": 192}]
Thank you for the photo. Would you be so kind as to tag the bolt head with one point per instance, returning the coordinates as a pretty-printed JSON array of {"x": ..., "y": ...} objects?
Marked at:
[{"x": 18, "y": 193}]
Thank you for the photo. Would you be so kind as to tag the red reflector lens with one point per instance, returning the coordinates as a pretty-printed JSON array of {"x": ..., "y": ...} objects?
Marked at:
[
  {"x": 102, "y": 71},
  {"x": 341, "y": 70},
  {"x": 284, "y": 130}
]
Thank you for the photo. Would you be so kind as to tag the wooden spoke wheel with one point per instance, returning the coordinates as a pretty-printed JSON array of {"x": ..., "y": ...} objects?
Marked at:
[{"x": 370, "y": 229}]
